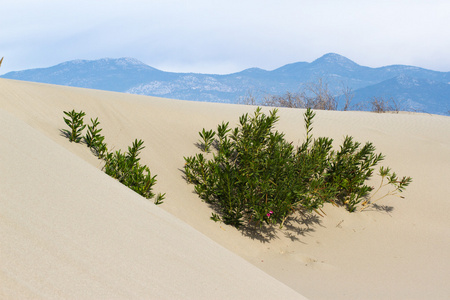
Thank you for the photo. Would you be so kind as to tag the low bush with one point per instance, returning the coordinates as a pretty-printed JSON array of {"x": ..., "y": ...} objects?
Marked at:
[
  {"x": 381, "y": 105},
  {"x": 255, "y": 176},
  {"x": 124, "y": 167},
  {"x": 313, "y": 95}
]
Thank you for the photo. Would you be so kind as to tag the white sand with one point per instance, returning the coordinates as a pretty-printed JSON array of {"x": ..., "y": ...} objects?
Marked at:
[{"x": 70, "y": 231}]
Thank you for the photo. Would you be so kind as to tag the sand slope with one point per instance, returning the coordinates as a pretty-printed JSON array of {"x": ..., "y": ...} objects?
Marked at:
[
  {"x": 70, "y": 232},
  {"x": 61, "y": 215}
]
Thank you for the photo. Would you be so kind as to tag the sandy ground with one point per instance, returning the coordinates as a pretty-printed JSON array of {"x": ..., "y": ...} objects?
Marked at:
[{"x": 70, "y": 231}]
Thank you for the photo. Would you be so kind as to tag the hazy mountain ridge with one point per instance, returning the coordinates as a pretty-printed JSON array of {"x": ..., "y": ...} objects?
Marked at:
[{"x": 416, "y": 88}]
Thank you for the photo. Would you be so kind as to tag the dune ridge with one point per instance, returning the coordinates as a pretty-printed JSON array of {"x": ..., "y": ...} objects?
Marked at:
[{"x": 401, "y": 250}]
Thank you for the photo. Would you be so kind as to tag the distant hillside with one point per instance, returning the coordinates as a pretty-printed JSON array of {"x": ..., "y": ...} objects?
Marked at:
[
  {"x": 411, "y": 93},
  {"x": 416, "y": 88}
]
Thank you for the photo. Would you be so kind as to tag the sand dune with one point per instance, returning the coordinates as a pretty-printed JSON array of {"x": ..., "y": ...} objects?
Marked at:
[{"x": 70, "y": 231}]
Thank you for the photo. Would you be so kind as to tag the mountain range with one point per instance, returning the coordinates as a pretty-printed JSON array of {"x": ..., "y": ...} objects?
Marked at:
[{"x": 412, "y": 87}]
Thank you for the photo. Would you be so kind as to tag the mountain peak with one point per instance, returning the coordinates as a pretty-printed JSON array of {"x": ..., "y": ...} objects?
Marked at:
[{"x": 334, "y": 58}]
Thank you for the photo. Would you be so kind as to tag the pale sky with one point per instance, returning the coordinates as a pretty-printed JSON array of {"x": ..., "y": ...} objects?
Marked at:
[{"x": 226, "y": 36}]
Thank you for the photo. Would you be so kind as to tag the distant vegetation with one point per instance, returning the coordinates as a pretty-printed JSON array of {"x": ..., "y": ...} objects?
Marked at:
[
  {"x": 254, "y": 176},
  {"x": 317, "y": 95},
  {"x": 123, "y": 166}
]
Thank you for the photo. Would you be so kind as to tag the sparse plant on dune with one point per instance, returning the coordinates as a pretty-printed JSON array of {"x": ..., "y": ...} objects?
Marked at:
[
  {"x": 124, "y": 167},
  {"x": 207, "y": 137},
  {"x": 95, "y": 140},
  {"x": 75, "y": 123},
  {"x": 391, "y": 179},
  {"x": 255, "y": 176}
]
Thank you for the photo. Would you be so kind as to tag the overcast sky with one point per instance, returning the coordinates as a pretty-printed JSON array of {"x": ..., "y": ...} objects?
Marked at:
[{"x": 212, "y": 36}]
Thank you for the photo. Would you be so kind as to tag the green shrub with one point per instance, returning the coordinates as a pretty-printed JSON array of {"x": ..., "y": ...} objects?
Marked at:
[
  {"x": 256, "y": 176},
  {"x": 349, "y": 169},
  {"x": 95, "y": 140},
  {"x": 75, "y": 123},
  {"x": 124, "y": 167}
]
